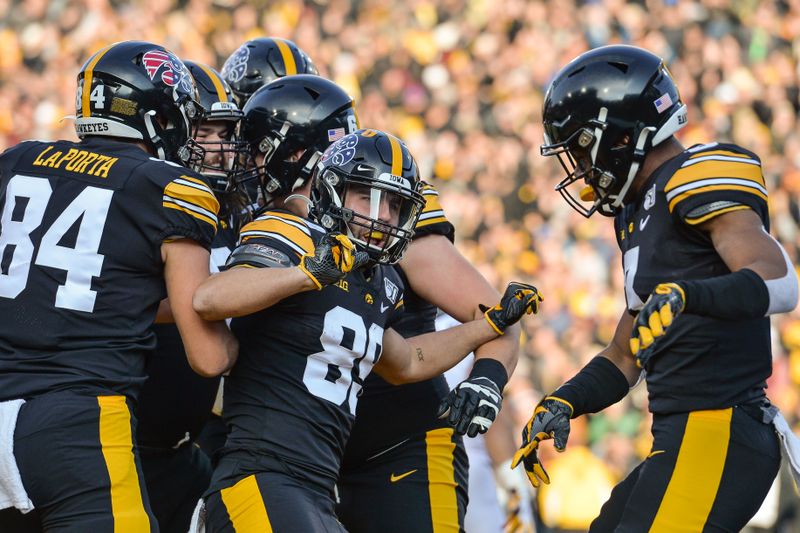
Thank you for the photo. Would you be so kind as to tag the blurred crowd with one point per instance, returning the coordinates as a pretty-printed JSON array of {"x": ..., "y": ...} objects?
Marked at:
[{"x": 462, "y": 82}]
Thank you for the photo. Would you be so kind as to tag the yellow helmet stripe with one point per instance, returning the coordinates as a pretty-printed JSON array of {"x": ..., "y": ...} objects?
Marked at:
[
  {"x": 223, "y": 97},
  {"x": 397, "y": 156},
  {"x": 88, "y": 74},
  {"x": 288, "y": 58}
]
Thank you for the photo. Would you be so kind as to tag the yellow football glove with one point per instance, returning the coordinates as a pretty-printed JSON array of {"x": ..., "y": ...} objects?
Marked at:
[
  {"x": 334, "y": 256},
  {"x": 550, "y": 420},
  {"x": 660, "y": 310},
  {"x": 519, "y": 299}
]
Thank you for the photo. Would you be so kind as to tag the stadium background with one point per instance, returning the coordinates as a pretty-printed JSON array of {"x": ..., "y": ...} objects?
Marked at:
[{"x": 462, "y": 82}]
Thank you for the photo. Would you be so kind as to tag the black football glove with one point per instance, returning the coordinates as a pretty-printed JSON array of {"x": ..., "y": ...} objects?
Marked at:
[
  {"x": 472, "y": 406},
  {"x": 519, "y": 299},
  {"x": 332, "y": 259},
  {"x": 550, "y": 420},
  {"x": 659, "y": 311}
]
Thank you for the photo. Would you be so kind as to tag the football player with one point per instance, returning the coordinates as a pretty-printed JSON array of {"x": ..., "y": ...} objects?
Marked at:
[
  {"x": 259, "y": 61},
  {"x": 388, "y": 414},
  {"x": 702, "y": 276},
  {"x": 306, "y": 352},
  {"x": 92, "y": 234},
  {"x": 175, "y": 402},
  {"x": 407, "y": 460}
]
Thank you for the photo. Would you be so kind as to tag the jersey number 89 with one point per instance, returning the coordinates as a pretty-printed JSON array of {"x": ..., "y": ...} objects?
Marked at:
[{"x": 348, "y": 348}]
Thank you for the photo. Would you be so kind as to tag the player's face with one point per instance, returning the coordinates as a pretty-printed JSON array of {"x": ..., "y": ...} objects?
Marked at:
[
  {"x": 379, "y": 205},
  {"x": 214, "y": 136}
]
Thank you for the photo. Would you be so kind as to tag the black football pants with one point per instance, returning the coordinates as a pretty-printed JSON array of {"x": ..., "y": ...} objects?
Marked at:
[{"x": 709, "y": 471}]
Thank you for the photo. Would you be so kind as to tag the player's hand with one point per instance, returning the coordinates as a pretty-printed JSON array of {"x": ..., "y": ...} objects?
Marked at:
[
  {"x": 659, "y": 311},
  {"x": 519, "y": 299},
  {"x": 334, "y": 256},
  {"x": 550, "y": 420},
  {"x": 472, "y": 405}
]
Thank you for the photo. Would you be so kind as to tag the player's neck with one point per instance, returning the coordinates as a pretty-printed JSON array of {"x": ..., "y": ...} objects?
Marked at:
[{"x": 657, "y": 157}]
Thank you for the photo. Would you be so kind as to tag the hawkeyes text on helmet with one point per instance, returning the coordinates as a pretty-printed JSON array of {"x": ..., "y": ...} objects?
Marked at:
[
  {"x": 137, "y": 90},
  {"x": 603, "y": 112}
]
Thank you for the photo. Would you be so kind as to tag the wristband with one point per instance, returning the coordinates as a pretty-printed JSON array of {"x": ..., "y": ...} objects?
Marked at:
[{"x": 491, "y": 369}]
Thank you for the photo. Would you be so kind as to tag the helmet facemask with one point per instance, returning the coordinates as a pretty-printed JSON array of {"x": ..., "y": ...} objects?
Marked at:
[
  {"x": 218, "y": 155},
  {"x": 279, "y": 166},
  {"x": 605, "y": 158}
]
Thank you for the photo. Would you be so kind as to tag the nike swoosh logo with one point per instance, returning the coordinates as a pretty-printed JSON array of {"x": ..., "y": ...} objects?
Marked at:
[
  {"x": 384, "y": 308},
  {"x": 656, "y": 452},
  {"x": 361, "y": 167},
  {"x": 643, "y": 222},
  {"x": 395, "y": 479}
]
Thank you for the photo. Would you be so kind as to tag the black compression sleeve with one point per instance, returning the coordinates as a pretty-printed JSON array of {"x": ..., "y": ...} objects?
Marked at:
[
  {"x": 735, "y": 296},
  {"x": 599, "y": 384}
]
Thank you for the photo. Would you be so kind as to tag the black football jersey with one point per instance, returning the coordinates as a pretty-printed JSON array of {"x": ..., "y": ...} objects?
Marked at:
[
  {"x": 704, "y": 363},
  {"x": 293, "y": 391},
  {"x": 388, "y": 414},
  {"x": 175, "y": 402},
  {"x": 81, "y": 273}
]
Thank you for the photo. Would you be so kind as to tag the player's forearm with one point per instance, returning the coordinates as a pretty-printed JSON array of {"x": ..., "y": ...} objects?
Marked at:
[
  {"x": 213, "y": 351},
  {"x": 241, "y": 291},
  {"x": 433, "y": 353},
  {"x": 504, "y": 349}
]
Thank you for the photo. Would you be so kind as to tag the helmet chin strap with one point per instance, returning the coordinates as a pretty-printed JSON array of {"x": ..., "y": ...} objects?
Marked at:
[
  {"x": 300, "y": 198},
  {"x": 638, "y": 157},
  {"x": 269, "y": 147},
  {"x": 673, "y": 124},
  {"x": 155, "y": 140}
]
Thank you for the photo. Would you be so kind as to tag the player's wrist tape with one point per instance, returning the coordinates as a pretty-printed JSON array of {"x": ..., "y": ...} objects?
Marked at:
[
  {"x": 736, "y": 296},
  {"x": 491, "y": 369},
  {"x": 599, "y": 384}
]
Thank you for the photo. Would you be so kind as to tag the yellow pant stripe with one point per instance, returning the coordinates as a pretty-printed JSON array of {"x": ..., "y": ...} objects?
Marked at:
[
  {"x": 694, "y": 483},
  {"x": 441, "y": 480},
  {"x": 246, "y": 507},
  {"x": 117, "y": 444}
]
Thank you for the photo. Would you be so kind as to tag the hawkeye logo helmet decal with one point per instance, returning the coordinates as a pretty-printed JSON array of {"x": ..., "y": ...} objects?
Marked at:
[
  {"x": 172, "y": 69},
  {"x": 235, "y": 67}
]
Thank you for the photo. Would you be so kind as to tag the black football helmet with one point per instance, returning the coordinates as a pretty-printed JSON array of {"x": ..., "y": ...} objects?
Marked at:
[
  {"x": 287, "y": 125},
  {"x": 379, "y": 168},
  {"x": 259, "y": 61},
  {"x": 603, "y": 113},
  {"x": 215, "y": 159},
  {"x": 137, "y": 90}
]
